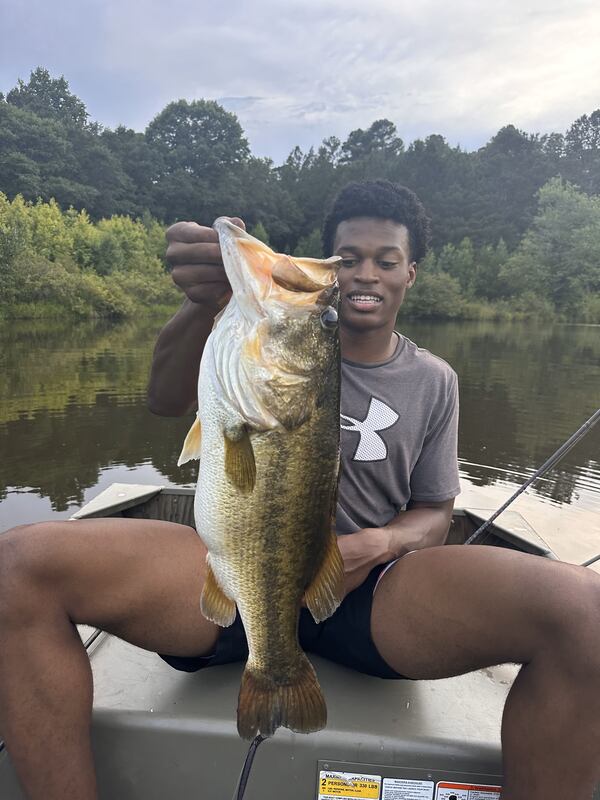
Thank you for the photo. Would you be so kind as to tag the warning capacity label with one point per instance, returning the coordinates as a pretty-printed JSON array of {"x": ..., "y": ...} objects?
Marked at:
[
  {"x": 401, "y": 789},
  {"x": 348, "y": 785},
  {"x": 466, "y": 791}
]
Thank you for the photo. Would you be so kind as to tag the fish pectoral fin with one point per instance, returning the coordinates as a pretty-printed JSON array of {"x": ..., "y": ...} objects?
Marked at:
[
  {"x": 240, "y": 466},
  {"x": 326, "y": 591},
  {"x": 191, "y": 446},
  {"x": 214, "y": 603}
]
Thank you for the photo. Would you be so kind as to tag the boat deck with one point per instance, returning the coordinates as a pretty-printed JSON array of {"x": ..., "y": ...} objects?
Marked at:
[{"x": 158, "y": 732}]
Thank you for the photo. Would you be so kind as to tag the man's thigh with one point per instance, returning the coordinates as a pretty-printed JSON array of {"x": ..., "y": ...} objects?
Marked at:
[
  {"x": 138, "y": 579},
  {"x": 447, "y": 610}
]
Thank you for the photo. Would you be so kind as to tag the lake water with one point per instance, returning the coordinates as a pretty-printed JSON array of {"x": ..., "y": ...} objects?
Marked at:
[{"x": 73, "y": 418}]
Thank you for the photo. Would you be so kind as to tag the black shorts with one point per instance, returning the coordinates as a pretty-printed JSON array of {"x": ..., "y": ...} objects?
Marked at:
[{"x": 344, "y": 638}]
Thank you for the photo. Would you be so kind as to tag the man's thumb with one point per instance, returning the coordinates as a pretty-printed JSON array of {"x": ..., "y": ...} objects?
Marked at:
[{"x": 239, "y": 222}]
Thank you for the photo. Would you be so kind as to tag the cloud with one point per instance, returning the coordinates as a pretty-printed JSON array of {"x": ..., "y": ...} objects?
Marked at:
[{"x": 299, "y": 72}]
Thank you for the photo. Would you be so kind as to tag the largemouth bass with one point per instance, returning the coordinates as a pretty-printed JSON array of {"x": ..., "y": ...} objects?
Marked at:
[{"x": 267, "y": 435}]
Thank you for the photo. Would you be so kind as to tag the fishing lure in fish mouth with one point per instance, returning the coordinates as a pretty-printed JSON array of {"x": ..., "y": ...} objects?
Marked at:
[{"x": 267, "y": 436}]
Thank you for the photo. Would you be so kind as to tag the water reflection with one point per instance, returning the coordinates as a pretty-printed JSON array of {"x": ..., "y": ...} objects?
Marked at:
[
  {"x": 524, "y": 390},
  {"x": 73, "y": 414}
]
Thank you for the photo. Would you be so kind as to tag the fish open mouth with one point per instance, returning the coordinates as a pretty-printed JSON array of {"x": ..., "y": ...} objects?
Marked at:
[{"x": 257, "y": 273}]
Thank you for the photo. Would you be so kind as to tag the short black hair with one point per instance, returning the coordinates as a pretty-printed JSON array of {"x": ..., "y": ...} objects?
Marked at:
[{"x": 383, "y": 200}]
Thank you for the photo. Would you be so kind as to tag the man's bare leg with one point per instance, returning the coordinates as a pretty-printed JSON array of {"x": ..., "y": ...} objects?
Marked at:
[
  {"x": 138, "y": 579},
  {"x": 445, "y": 611}
]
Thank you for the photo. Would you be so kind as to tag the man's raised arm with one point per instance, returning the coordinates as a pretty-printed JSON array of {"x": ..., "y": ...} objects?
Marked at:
[{"x": 194, "y": 255}]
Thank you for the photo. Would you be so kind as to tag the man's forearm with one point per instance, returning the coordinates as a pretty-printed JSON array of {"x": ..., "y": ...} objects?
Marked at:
[
  {"x": 419, "y": 527},
  {"x": 172, "y": 390}
]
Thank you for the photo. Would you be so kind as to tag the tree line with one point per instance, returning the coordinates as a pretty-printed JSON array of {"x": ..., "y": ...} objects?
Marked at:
[{"x": 510, "y": 220}]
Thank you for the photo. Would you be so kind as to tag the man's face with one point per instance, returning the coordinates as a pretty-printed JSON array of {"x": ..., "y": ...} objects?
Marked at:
[{"x": 375, "y": 273}]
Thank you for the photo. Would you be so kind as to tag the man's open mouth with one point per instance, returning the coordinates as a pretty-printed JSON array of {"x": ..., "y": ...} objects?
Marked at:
[{"x": 364, "y": 299}]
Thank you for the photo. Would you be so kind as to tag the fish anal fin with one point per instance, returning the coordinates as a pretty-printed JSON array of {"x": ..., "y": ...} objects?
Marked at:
[
  {"x": 214, "y": 603},
  {"x": 326, "y": 590},
  {"x": 265, "y": 705},
  {"x": 191, "y": 445},
  {"x": 240, "y": 466}
]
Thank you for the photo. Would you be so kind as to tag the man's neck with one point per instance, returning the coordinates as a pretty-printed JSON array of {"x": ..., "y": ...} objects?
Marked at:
[{"x": 368, "y": 347}]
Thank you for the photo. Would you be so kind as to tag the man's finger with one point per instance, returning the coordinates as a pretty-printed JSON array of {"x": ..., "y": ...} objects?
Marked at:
[
  {"x": 191, "y": 233},
  {"x": 197, "y": 253},
  {"x": 188, "y": 275}
]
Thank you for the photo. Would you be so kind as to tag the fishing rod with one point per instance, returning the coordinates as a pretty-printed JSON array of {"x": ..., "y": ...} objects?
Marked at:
[
  {"x": 240, "y": 789},
  {"x": 554, "y": 459}
]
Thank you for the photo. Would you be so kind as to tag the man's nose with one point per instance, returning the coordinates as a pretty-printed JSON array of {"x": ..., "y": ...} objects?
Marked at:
[{"x": 367, "y": 271}]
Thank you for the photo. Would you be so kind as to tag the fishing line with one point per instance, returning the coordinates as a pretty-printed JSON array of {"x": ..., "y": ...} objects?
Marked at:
[{"x": 245, "y": 773}]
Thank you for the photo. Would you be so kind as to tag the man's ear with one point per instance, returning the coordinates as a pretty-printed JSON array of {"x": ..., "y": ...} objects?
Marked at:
[{"x": 412, "y": 274}]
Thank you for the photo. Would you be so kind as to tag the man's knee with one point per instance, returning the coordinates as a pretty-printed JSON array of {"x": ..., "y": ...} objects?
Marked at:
[
  {"x": 573, "y": 624},
  {"x": 28, "y": 554}
]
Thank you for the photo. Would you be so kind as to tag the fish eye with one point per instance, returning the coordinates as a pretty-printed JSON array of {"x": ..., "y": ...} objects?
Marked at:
[{"x": 329, "y": 318}]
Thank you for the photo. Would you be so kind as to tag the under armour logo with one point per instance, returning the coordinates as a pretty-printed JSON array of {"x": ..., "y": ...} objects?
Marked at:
[{"x": 371, "y": 446}]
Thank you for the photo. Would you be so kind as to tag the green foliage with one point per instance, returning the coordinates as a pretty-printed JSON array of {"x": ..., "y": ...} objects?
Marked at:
[
  {"x": 46, "y": 157},
  {"x": 262, "y": 197},
  {"x": 381, "y": 137},
  {"x": 459, "y": 262},
  {"x": 200, "y": 146},
  {"x": 140, "y": 163},
  {"x": 259, "y": 232},
  {"x": 509, "y": 170},
  {"x": 582, "y": 152},
  {"x": 590, "y": 309},
  {"x": 489, "y": 262},
  {"x": 48, "y": 97},
  {"x": 531, "y": 305},
  {"x": 198, "y": 137},
  {"x": 310, "y": 246},
  {"x": 559, "y": 257},
  {"x": 434, "y": 295},
  {"x": 51, "y": 259}
]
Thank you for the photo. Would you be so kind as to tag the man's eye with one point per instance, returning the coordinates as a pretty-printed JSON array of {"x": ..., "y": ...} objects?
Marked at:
[
  {"x": 348, "y": 262},
  {"x": 387, "y": 264}
]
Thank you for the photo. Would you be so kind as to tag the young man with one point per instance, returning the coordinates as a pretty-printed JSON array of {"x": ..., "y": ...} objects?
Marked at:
[{"x": 436, "y": 612}]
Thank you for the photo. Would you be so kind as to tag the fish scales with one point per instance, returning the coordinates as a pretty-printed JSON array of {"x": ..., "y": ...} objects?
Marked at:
[{"x": 269, "y": 417}]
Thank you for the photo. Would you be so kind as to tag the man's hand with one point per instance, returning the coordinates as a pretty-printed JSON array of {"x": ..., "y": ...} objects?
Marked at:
[
  {"x": 424, "y": 524},
  {"x": 361, "y": 552},
  {"x": 194, "y": 255}
]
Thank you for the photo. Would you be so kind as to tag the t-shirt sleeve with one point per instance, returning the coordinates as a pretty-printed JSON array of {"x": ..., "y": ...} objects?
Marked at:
[{"x": 435, "y": 475}]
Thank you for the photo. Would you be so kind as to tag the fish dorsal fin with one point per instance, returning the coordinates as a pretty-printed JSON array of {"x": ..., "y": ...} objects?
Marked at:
[
  {"x": 191, "y": 446},
  {"x": 240, "y": 466},
  {"x": 326, "y": 590},
  {"x": 214, "y": 603}
]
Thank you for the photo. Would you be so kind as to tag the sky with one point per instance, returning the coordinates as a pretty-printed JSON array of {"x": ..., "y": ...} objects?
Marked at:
[{"x": 297, "y": 71}]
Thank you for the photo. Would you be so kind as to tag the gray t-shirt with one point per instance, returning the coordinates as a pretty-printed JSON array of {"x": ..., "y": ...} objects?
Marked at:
[{"x": 399, "y": 428}]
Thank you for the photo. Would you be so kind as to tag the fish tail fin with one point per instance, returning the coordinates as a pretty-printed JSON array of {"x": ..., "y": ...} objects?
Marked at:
[{"x": 264, "y": 705}]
